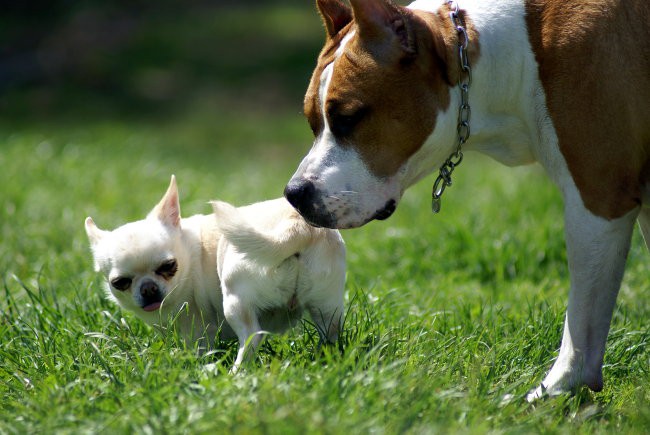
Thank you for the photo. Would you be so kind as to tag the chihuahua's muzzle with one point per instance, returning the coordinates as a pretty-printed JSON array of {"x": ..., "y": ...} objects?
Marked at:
[{"x": 150, "y": 295}]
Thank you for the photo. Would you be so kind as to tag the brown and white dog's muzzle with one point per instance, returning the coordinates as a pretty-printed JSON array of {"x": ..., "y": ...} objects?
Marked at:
[{"x": 332, "y": 188}]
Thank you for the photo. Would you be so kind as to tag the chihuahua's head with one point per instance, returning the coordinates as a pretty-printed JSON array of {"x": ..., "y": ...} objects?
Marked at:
[{"x": 142, "y": 261}]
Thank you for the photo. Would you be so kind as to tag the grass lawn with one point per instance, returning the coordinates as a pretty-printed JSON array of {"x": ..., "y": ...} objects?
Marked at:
[{"x": 446, "y": 314}]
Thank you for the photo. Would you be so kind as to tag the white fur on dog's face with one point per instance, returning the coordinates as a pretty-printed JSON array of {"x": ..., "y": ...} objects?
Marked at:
[
  {"x": 380, "y": 88},
  {"x": 233, "y": 273},
  {"x": 141, "y": 261},
  {"x": 349, "y": 191}
]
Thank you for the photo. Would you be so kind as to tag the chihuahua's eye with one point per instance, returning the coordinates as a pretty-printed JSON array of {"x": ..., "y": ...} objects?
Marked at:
[
  {"x": 167, "y": 269},
  {"x": 121, "y": 283}
]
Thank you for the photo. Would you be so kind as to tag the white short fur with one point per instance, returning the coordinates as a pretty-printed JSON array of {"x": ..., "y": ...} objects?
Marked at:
[
  {"x": 510, "y": 122},
  {"x": 240, "y": 271}
]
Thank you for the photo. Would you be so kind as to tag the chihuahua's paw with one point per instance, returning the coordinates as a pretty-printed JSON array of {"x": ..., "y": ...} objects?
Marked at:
[
  {"x": 210, "y": 370},
  {"x": 236, "y": 369},
  {"x": 507, "y": 399}
]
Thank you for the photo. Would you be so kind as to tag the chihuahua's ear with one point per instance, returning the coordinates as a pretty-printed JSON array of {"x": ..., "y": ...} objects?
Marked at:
[
  {"x": 93, "y": 232},
  {"x": 168, "y": 210}
]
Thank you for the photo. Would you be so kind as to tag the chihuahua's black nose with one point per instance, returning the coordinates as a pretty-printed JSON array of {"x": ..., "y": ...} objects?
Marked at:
[
  {"x": 148, "y": 288},
  {"x": 300, "y": 194}
]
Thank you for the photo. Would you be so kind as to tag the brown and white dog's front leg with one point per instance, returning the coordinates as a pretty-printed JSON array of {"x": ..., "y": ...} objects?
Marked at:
[{"x": 597, "y": 249}]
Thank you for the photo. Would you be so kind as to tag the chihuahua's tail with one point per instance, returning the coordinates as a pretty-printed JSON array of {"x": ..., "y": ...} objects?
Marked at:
[{"x": 289, "y": 237}]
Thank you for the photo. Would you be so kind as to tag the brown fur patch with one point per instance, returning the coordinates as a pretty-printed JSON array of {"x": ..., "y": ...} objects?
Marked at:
[
  {"x": 402, "y": 93},
  {"x": 312, "y": 101},
  {"x": 595, "y": 68},
  {"x": 335, "y": 14}
]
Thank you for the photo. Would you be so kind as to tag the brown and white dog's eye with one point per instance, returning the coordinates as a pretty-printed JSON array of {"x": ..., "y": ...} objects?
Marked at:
[
  {"x": 342, "y": 124},
  {"x": 314, "y": 124},
  {"x": 121, "y": 283},
  {"x": 167, "y": 269}
]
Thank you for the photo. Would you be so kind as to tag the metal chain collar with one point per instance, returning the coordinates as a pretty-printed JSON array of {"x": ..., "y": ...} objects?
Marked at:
[{"x": 464, "y": 112}]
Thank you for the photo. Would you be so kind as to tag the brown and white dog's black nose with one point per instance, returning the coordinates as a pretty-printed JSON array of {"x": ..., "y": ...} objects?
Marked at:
[
  {"x": 305, "y": 198},
  {"x": 300, "y": 193}
]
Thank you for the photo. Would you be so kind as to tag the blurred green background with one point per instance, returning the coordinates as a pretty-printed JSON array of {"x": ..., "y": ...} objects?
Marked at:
[
  {"x": 101, "y": 101},
  {"x": 94, "y": 58}
]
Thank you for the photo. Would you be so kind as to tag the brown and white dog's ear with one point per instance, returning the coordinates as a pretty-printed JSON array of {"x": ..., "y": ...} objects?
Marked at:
[
  {"x": 383, "y": 24},
  {"x": 168, "y": 210},
  {"x": 93, "y": 232},
  {"x": 336, "y": 15}
]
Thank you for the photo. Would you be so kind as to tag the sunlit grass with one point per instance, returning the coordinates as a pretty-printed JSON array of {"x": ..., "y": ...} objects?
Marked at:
[{"x": 446, "y": 314}]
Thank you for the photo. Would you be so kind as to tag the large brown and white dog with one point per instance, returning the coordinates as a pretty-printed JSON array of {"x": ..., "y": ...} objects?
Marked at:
[{"x": 566, "y": 84}]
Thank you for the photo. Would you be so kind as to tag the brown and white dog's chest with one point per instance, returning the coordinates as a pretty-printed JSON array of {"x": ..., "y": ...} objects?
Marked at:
[{"x": 547, "y": 86}]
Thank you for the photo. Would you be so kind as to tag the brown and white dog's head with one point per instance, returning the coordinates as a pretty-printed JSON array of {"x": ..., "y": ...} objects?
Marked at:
[{"x": 381, "y": 83}]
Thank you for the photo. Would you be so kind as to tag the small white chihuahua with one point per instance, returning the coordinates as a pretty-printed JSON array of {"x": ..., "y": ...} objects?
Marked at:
[{"x": 256, "y": 267}]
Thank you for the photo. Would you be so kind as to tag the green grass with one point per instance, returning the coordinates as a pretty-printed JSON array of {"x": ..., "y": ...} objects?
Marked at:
[{"x": 446, "y": 313}]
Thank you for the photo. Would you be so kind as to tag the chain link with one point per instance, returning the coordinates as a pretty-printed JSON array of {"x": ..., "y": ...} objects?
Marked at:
[{"x": 464, "y": 111}]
